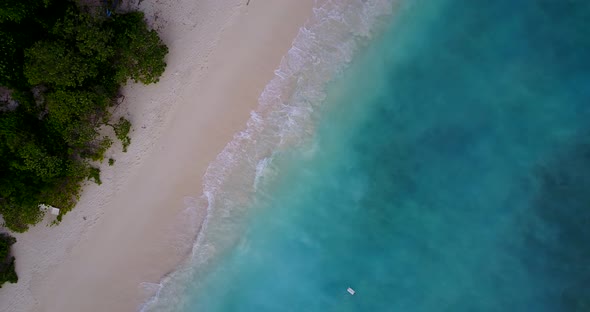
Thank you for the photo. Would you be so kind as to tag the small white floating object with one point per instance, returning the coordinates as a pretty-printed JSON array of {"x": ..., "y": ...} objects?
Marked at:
[
  {"x": 350, "y": 291},
  {"x": 54, "y": 211}
]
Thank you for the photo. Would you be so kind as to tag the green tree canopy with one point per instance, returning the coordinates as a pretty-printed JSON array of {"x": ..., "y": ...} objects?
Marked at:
[
  {"x": 17, "y": 10},
  {"x": 89, "y": 34},
  {"x": 53, "y": 63},
  {"x": 76, "y": 115},
  {"x": 7, "y": 271},
  {"x": 10, "y": 67},
  {"x": 64, "y": 67},
  {"x": 140, "y": 52}
]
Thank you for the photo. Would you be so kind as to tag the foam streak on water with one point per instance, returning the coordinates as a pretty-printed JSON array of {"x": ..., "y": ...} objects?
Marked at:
[{"x": 285, "y": 118}]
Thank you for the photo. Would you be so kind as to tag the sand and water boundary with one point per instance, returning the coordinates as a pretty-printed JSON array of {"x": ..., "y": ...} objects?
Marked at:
[{"x": 125, "y": 232}]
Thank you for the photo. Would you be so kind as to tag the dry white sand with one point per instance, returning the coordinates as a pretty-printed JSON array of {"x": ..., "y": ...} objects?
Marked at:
[{"x": 129, "y": 229}]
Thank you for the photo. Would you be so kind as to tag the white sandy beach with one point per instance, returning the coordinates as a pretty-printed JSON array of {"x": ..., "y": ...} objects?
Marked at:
[{"x": 131, "y": 229}]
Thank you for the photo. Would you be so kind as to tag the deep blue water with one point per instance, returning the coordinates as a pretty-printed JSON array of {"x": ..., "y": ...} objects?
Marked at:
[{"x": 450, "y": 171}]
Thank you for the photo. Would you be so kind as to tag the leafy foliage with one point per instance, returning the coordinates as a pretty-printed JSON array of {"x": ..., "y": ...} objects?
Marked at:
[
  {"x": 94, "y": 174},
  {"x": 122, "y": 129},
  {"x": 136, "y": 39},
  {"x": 17, "y": 10},
  {"x": 75, "y": 115},
  {"x": 7, "y": 271},
  {"x": 52, "y": 62},
  {"x": 64, "y": 67},
  {"x": 91, "y": 38},
  {"x": 9, "y": 68}
]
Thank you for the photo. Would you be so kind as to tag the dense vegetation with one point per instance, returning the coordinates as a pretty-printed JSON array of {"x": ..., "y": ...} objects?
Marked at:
[
  {"x": 61, "y": 67},
  {"x": 7, "y": 272}
]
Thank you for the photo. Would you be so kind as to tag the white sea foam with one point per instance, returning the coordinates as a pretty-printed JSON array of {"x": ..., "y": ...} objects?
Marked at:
[
  {"x": 285, "y": 118},
  {"x": 260, "y": 171}
]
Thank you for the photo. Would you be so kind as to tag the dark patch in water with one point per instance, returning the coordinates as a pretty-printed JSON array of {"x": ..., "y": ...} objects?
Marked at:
[{"x": 557, "y": 228}]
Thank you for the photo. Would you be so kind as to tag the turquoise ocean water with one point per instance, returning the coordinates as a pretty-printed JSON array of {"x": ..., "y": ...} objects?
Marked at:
[{"x": 445, "y": 168}]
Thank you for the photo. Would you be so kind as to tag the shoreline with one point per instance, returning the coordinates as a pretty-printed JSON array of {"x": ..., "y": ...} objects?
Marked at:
[{"x": 122, "y": 233}]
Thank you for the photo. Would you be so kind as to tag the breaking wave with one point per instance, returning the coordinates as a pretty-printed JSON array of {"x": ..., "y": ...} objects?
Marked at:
[{"x": 285, "y": 118}]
